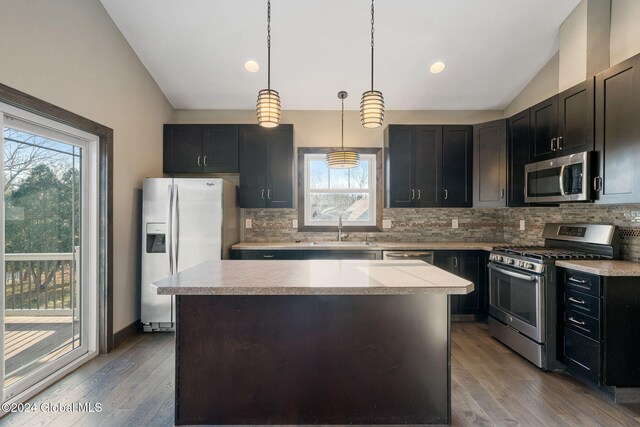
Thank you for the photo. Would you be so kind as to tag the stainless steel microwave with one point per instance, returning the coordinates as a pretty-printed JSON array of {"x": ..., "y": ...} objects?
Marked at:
[{"x": 563, "y": 179}]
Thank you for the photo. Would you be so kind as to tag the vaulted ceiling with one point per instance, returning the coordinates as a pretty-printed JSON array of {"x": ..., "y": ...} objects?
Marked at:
[{"x": 195, "y": 50}]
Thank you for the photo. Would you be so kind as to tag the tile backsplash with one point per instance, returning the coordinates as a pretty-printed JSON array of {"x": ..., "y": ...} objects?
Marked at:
[{"x": 486, "y": 225}]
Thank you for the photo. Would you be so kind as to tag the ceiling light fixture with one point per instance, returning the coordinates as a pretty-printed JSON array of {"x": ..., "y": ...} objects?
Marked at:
[
  {"x": 342, "y": 159},
  {"x": 437, "y": 67},
  {"x": 251, "y": 66},
  {"x": 372, "y": 103},
  {"x": 268, "y": 108}
]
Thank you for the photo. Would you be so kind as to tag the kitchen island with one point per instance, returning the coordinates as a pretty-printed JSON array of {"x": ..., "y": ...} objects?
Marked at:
[{"x": 313, "y": 342}]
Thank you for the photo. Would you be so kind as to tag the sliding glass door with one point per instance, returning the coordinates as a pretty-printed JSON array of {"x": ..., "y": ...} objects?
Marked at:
[{"x": 49, "y": 257}]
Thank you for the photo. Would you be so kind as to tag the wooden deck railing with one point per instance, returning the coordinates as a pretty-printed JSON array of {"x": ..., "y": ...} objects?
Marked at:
[{"x": 45, "y": 282}]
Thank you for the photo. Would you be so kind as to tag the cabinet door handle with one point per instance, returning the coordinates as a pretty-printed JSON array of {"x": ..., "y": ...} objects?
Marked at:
[
  {"x": 263, "y": 194},
  {"x": 455, "y": 262},
  {"x": 267, "y": 256},
  {"x": 581, "y": 281},
  {"x": 204, "y": 159},
  {"x": 418, "y": 194},
  {"x": 553, "y": 144},
  {"x": 269, "y": 194},
  {"x": 502, "y": 193},
  {"x": 446, "y": 194},
  {"x": 577, "y": 322},
  {"x": 199, "y": 160},
  {"x": 560, "y": 145},
  {"x": 413, "y": 194},
  {"x": 577, "y": 301},
  {"x": 597, "y": 183}
]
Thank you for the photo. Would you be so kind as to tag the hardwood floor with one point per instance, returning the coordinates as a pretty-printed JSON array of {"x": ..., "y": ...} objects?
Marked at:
[{"x": 491, "y": 385}]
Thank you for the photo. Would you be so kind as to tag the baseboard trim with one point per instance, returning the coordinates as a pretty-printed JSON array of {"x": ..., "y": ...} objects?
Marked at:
[{"x": 127, "y": 332}]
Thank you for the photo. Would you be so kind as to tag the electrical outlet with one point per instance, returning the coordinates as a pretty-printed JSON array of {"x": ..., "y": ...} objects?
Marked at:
[
  {"x": 522, "y": 225},
  {"x": 294, "y": 223},
  {"x": 454, "y": 223},
  {"x": 386, "y": 223},
  {"x": 247, "y": 223}
]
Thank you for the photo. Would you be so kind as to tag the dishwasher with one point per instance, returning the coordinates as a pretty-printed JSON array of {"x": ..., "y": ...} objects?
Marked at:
[{"x": 408, "y": 255}]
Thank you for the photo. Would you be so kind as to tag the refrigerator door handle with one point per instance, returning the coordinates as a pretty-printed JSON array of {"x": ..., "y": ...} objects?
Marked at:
[
  {"x": 170, "y": 229},
  {"x": 177, "y": 226}
]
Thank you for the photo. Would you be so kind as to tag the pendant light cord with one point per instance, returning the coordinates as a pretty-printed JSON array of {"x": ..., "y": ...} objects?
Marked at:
[
  {"x": 342, "y": 129},
  {"x": 269, "y": 44},
  {"x": 372, "y": 20}
]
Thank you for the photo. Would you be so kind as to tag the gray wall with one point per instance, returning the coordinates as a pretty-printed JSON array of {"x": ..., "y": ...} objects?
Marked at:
[{"x": 71, "y": 54}]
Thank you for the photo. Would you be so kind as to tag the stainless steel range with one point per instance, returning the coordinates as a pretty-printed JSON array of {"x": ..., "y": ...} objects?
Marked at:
[{"x": 522, "y": 286}]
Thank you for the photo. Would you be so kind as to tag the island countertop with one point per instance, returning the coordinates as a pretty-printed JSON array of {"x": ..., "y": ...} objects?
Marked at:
[{"x": 316, "y": 277}]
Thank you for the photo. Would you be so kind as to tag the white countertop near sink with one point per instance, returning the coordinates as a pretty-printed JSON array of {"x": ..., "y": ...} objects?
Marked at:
[
  {"x": 315, "y": 277},
  {"x": 371, "y": 246}
]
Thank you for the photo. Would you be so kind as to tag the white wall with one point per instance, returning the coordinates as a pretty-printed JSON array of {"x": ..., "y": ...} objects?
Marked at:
[
  {"x": 542, "y": 86},
  {"x": 322, "y": 128},
  {"x": 71, "y": 54},
  {"x": 570, "y": 65},
  {"x": 625, "y": 30},
  {"x": 573, "y": 48}
]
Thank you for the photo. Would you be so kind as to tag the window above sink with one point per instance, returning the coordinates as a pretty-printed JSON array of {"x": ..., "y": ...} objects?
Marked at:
[{"x": 326, "y": 194}]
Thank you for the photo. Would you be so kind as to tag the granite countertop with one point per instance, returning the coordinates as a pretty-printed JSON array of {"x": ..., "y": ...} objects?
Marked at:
[
  {"x": 603, "y": 267},
  {"x": 317, "y": 277},
  {"x": 372, "y": 246}
]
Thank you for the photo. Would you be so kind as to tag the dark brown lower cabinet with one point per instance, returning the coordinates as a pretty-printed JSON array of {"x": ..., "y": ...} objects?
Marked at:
[
  {"x": 250, "y": 254},
  {"x": 329, "y": 254},
  {"x": 264, "y": 254},
  {"x": 598, "y": 332},
  {"x": 470, "y": 265}
]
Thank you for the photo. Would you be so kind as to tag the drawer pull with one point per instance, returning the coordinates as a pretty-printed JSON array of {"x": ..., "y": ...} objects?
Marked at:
[
  {"x": 267, "y": 256},
  {"x": 577, "y": 322},
  {"x": 581, "y": 281},
  {"x": 577, "y": 301}
]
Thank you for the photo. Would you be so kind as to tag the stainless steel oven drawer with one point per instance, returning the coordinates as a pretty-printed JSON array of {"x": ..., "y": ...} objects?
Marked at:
[
  {"x": 582, "y": 303},
  {"x": 583, "y": 324}
]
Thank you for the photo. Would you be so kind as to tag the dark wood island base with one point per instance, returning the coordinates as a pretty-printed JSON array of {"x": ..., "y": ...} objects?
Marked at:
[{"x": 313, "y": 359}]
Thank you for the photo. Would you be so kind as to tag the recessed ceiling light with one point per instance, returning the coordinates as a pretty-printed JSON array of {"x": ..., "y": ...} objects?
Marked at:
[
  {"x": 437, "y": 67},
  {"x": 251, "y": 66}
]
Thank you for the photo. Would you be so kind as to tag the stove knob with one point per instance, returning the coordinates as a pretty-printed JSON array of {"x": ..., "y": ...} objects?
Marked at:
[
  {"x": 499, "y": 258},
  {"x": 511, "y": 261},
  {"x": 529, "y": 265}
]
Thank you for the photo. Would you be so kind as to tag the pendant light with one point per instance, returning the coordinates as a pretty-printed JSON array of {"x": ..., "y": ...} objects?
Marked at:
[
  {"x": 268, "y": 108},
  {"x": 372, "y": 103},
  {"x": 342, "y": 159}
]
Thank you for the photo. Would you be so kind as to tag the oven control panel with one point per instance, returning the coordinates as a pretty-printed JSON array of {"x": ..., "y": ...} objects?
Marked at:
[{"x": 517, "y": 263}]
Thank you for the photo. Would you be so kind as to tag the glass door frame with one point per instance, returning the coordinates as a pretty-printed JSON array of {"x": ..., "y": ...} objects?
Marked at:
[{"x": 89, "y": 244}]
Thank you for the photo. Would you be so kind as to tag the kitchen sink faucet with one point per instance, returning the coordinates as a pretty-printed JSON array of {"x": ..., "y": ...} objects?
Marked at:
[{"x": 340, "y": 235}]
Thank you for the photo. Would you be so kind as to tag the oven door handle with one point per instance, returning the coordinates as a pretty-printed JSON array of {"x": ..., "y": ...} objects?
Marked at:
[
  {"x": 513, "y": 273},
  {"x": 561, "y": 179}
]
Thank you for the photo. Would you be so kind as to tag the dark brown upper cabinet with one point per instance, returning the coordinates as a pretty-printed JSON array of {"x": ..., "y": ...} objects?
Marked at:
[
  {"x": 576, "y": 110},
  {"x": 428, "y": 166},
  {"x": 618, "y": 133},
  {"x": 518, "y": 155},
  {"x": 563, "y": 124},
  {"x": 457, "y": 166},
  {"x": 266, "y": 167},
  {"x": 544, "y": 129},
  {"x": 490, "y": 164},
  {"x": 200, "y": 149}
]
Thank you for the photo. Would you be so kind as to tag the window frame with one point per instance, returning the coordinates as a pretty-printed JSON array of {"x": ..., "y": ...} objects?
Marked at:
[{"x": 375, "y": 176}]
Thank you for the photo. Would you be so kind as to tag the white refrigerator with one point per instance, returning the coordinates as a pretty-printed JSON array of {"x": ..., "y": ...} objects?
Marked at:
[{"x": 185, "y": 221}]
